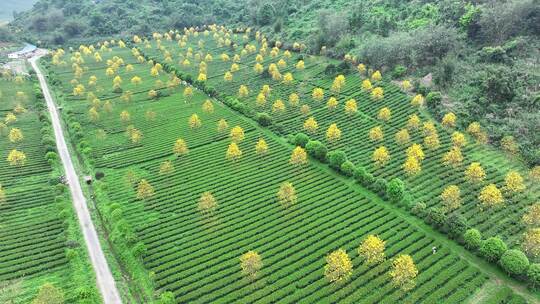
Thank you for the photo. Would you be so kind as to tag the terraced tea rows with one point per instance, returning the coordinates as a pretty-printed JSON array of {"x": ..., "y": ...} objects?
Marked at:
[
  {"x": 196, "y": 257},
  {"x": 425, "y": 187},
  {"x": 37, "y": 220}
]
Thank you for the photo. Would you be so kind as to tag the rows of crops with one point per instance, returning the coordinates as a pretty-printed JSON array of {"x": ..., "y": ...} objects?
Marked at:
[
  {"x": 197, "y": 257},
  {"x": 33, "y": 234},
  {"x": 426, "y": 187}
]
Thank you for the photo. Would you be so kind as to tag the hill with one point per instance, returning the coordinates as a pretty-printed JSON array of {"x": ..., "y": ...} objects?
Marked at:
[{"x": 480, "y": 58}]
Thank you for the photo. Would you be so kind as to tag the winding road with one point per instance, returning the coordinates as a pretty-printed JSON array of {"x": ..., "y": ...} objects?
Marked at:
[{"x": 105, "y": 280}]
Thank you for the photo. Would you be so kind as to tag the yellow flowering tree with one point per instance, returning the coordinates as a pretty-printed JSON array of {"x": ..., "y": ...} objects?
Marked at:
[
  {"x": 166, "y": 168},
  {"x": 261, "y": 148},
  {"x": 15, "y": 135},
  {"x": 451, "y": 198},
  {"x": 16, "y": 158},
  {"x": 458, "y": 139},
  {"x": 222, "y": 126},
  {"x": 380, "y": 156},
  {"x": 332, "y": 103},
  {"x": 372, "y": 250},
  {"x": 338, "y": 266},
  {"x": 298, "y": 157},
  {"x": 310, "y": 125},
  {"x": 233, "y": 152},
  {"x": 449, "y": 120},
  {"x": 413, "y": 123},
  {"x": 207, "y": 203},
  {"x": 376, "y": 134},
  {"x": 453, "y": 157},
  {"x": 384, "y": 114},
  {"x": 377, "y": 93},
  {"x": 531, "y": 218},
  {"x": 180, "y": 148},
  {"x": 490, "y": 196},
  {"x": 403, "y": 272},
  {"x": 333, "y": 134},
  {"x": 531, "y": 242},
  {"x": 144, "y": 190},
  {"x": 475, "y": 173},
  {"x": 513, "y": 182},
  {"x": 318, "y": 94},
  {"x": 208, "y": 106},
  {"x": 366, "y": 85},
  {"x": 412, "y": 166},
  {"x": 194, "y": 121},
  {"x": 286, "y": 194},
  {"x": 237, "y": 134},
  {"x": 351, "y": 107},
  {"x": 251, "y": 263},
  {"x": 402, "y": 137}
]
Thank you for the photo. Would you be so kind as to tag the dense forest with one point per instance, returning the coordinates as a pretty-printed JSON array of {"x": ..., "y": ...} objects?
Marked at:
[{"x": 476, "y": 58}]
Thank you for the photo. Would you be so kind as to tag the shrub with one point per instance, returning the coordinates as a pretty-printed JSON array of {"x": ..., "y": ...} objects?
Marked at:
[
  {"x": 433, "y": 99},
  {"x": 360, "y": 174},
  {"x": 99, "y": 175},
  {"x": 337, "y": 158},
  {"x": 395, "y": 190},
  {"x": 436, "y": 217},
  {"x": 84, "y": 292},
  {"x": 419, "y": 209},
  {"x": 514, "y": 262},
  {"x": 348, "y": 168},
  {"x": 398, "y": 71},
  {"x": 264, "y": 119},
  {"x": 534, "y": 274},
  {"x": 457, "y": 224},
  {"x": 343, "y": 68},
  {"x": 317, "y": 149},
  {"x": 493, "y": 248},
  {"x": 379, "y": 186},
  {"x": 472, "y": 238},
  {"x": 301, "y": 140},
  {"x": 167, "y": 298},
  {"x": 330, "y": 70}
]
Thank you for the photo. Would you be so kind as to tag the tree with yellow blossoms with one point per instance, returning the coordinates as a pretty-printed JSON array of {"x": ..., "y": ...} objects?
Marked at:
[
  {"x": 371, "y": 250},
  {"x": 534, "y": 174},
  {"x": 384, "y": 114},
  {"x": 166, "y": 168},
  {"x": 380, "y": 156},
  {"x": 243, "y": 91},
  {"x": 432, "y": 141},
  {"x": 449, "y": 120},
  {"x": 228, "y": 76},
  {"x": 377, "y": 93},
  {"x": 305, "y": 109},
  {"x": 208, "y": 106},
  {"x": 416, "y": 151},
  {"x": 298, "y": 157},
  {"x": 453, "y": 157},
  {"x": 233, "y": 152},
  {"x": 366, "y": 85},
  {"x": 310, "y": 125},
  {"x": 300, "y": 65},
  {"x": 376, "y": 134},
  {"x": 458, "y": 139},
  {"x": 194, "y": 121},
  {"x": 286, "y": 194},
  {"x": 490, "y": 196},
  {"x": 15, "y": 135},
  {"x": 451, "y": 198},
  {"x": 406, "y": 85},
  {"x": 508, "y": 144},
  {"x": 207, "y": 203},
  {"x": 294, "y": 99},
  {"x": 16, "y": 158},
  {"x": 332, "y": 103},
  {"x": 188, "y": 93},
  {"x": 135, "y": 135},
  {"x": 318, "y": 94},
  {"x": 237, "y": 134},
  {"x": 222, "y": 126},
  {"x": 333, "y": 134},
  {"x": 180, "y": 148},
  {"x": 531, "y": 218},
  {"x": 402, "y": 137},
  {"x": 361, "y": 68},
  {"x": 251, "y": 263},
  {"x": 144, "y": 190},
  {"x": 531, "y": 242},
  {"x": 278, "y": 106},
  {"x": 338, "y": 84},
  {"x": 260, "y": 100},
  {"x": 417, "y": 100},
  {"x": 136, "y": 80},
  {"x": 513, "y": 182},
  {"x": 376, "y": 76},
  {"x": 261, "y": 148},
  {"x": 413, "y": 123},
  {"x": 351, "y": 107},
  {"x": 403, "y": 272},
  {"x": 338, "y": 266},
  {"x": 288, "y": 78},
  {"x": 412, "y": 166},
  {"x": 475, "y": 173}
]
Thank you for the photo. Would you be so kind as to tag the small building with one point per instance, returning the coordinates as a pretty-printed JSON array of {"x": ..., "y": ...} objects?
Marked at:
[
  {"x": 87, "y": 179},
  {"x": 23, "y": 53}
]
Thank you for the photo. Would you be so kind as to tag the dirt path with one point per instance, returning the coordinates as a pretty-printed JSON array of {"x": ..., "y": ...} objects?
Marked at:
[{"x": 105, "y": 280}]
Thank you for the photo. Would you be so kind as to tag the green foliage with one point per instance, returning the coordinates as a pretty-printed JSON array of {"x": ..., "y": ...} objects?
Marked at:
[
  {"x": 514, "y": 262},
  {"x": 533, "y": 273},
  {"x": 264, "y": 119},
  {"x": 317, "y": 149},
  {"x": 347, "y": 168},
  {"x": 395, "y": 189},
  {"x": 473, "y": 239},
  {"x": 493, "y": 248},
  {"x": 336, "y": 158},
  {"x": 301, "y": 140}
]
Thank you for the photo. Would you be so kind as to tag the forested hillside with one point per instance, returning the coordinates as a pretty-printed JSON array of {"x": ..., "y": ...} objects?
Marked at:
[{"x": 477, "y": 58}]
